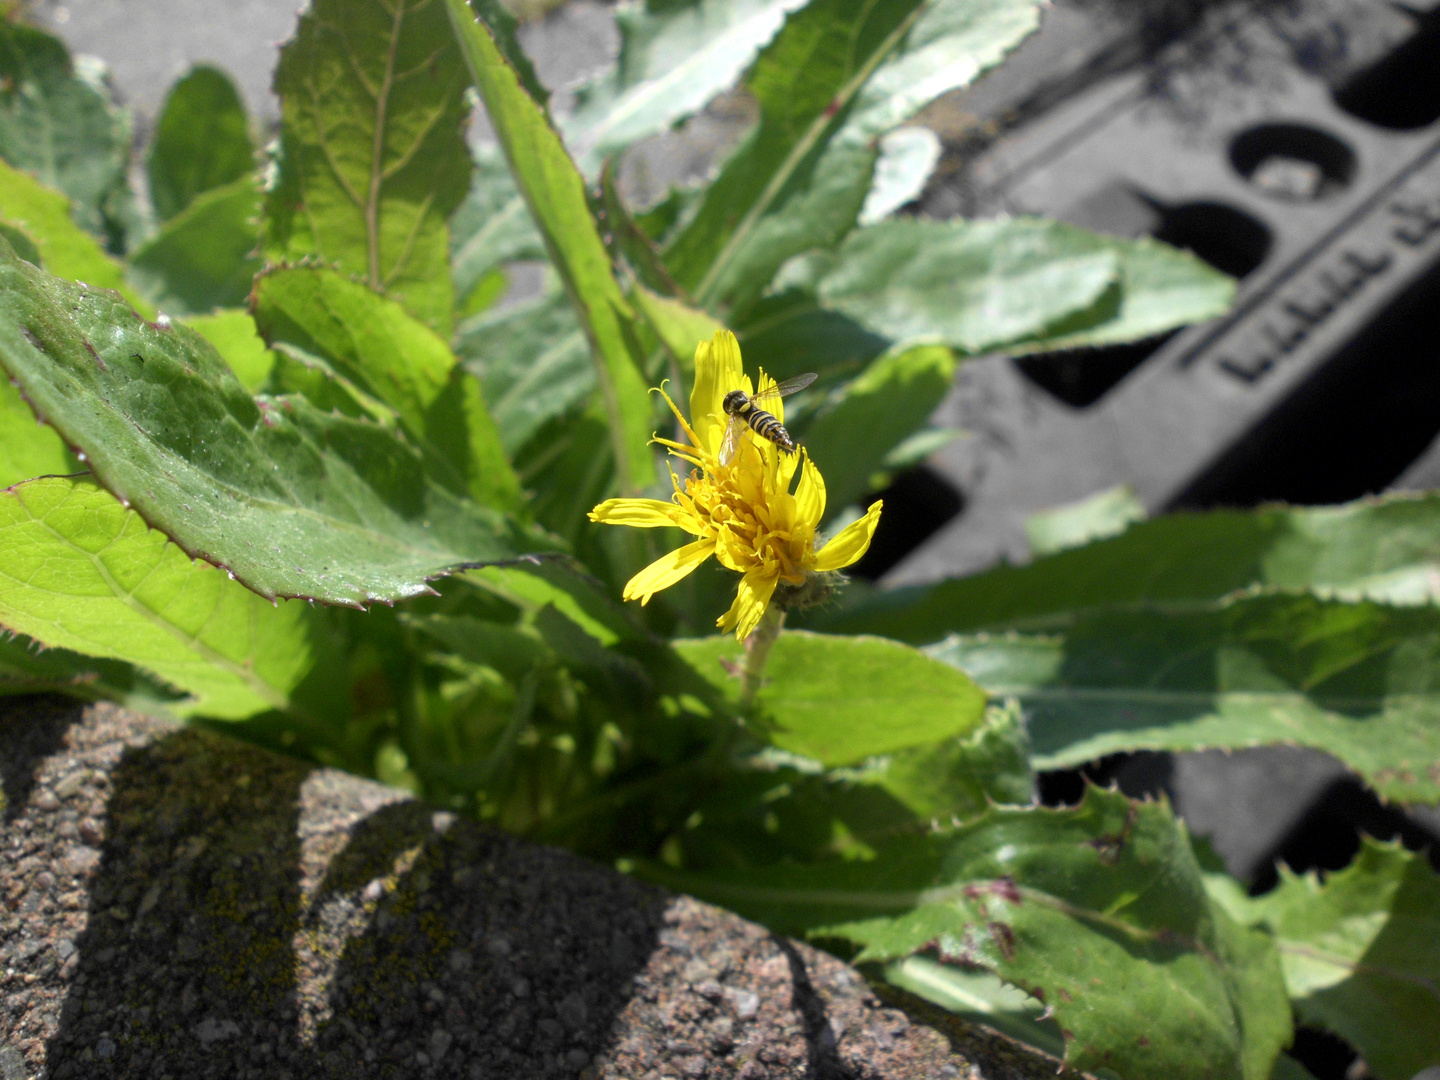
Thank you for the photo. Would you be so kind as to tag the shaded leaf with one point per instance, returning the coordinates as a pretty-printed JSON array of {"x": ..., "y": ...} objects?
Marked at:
[
  {"x": 673, "y": 59},
  {"x": 202, "y": 141},
  {"x": 58, "y": 124},
  {"x": 840, "y": 700},
  {"x": 1384, "y": 549},
  {"x": 1099, "y": 910},
  {"x": 1361, "y": 954},
  {"x": 533, "y": 362},
  {"x": 204, "y": 256},
  {"x": 292, "y": 501},
  {"x": 492, "y": 226},
  {"x": 372, "y": 151},
  {"x": 555, "y": 194},
  {"x": 65, "y": 249},
  {"x": 392, "y": 356},
  {"x": 28, "y": 668},
  {"x": 1354, "y": 680},
  {"x": 81, "y": 572},
  {"x": 1106, "y": 513},
  {"x": 888, "y": 401}
]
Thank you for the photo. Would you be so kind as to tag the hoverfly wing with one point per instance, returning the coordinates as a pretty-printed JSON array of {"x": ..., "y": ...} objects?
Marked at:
[
  {"x": 784, "y": 389},
  {"x": 730, "y": 442}
]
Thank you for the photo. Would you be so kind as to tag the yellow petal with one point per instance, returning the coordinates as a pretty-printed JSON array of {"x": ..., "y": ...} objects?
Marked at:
[
  {"x": 751, "y": 600},
  {"x": 851, "y": 542},
  {"x": 717, "y": 372},
  {"x": 644, "y": 514},
  {"x": 810, "y": 495},
  {"x": 667, "y": 570}
]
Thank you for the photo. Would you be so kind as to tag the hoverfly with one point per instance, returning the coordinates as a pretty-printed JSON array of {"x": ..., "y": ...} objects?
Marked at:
[{"x": 744, "y": 411}]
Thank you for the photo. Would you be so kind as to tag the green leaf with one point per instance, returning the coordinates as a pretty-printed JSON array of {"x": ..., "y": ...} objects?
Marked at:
[
  {"x": 65, "y": 249},
  {"x": 204, "y": 257},
  {"x": 1106, "y": 513},
  {"x": 841, "y": 700},
  {"x": 1160, "y": 288},
  {"x": 292, "y": 501},
  {"x": 1354, "y": 680},
  {"x": 392, "y": 356},
  {"x": 981, "y": 998},
  {"x": 28, "y": 668},
  {"x": 908, "y": 156},
  {"x": 372, "y": 150},
  {"x": 1361, "y": 954},
  {"x": 493, "y": 226},
  {"x": 976, "y": 285},
  {"x": 239, "y": 344},
  {"x": 673, "y": 59},
  {"x": 81, "y": 572},
  {"x": 1385, "y": 549},
  {"x": 532, "y": 361},
  {"x": 679, "y": 326},
  {"x": 888, "y": 401},
  {"x": 555, "y": 194},
  {"x": 202, "y": 141},
  {"x": 58, "y": 124},
  {"x": 835, "y": 79},
  {"x": 1099, "y": 910},
  {"x": 27, "y": 448}
]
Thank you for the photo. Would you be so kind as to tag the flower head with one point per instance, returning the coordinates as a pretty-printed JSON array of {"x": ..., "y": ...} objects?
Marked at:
[{"x": 743, "y": 513}]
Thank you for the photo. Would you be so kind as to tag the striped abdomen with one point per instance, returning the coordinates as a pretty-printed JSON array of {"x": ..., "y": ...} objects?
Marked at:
[{"x": 767, "y": 427}]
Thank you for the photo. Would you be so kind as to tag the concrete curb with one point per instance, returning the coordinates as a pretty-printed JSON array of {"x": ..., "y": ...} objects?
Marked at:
[{"x": 178, "y": 904}]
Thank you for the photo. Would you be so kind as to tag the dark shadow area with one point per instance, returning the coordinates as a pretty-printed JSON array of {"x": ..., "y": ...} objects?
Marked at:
[
  {"x": 1144, "y": 774},
  {"x": 1401, "y": 91},
  {"x": 1354, "y": 426},
  {"x": 917, "y": 503},
  {"x": 1081, "y": 377},
  {"x": 1327, "y": 1056},
  {"x": 1327, "y": 837},
  {"x": 1294, "y": 162},
  {"x": 25, "y": 745},
  {"x": 1228, "y": 239},
  {"x": 822, "y": 1058},
  {"x": 432, "y": 946}
]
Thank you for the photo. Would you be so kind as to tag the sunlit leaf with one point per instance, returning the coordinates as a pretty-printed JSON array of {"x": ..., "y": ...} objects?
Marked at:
[
  {"x": 372, "y": 151},
  {"x": 673, "y": 59},
  {"x": 840, "y": 700},
  {"x": 65, "y": 249},
  {"x": 391, "y": 355},
  {"x": 294, "y": 502},
  {"x": 239, "y": 344},
  {"x": 81, "y": 572},
  {"x": 555, "y": 194}
]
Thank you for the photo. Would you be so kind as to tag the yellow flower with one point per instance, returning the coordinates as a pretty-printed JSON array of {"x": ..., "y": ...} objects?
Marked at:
[{"x": 743, "y": 513}]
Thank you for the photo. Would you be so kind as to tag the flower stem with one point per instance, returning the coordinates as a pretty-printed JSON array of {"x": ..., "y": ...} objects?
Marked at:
[{"x": 757, "y": 651}]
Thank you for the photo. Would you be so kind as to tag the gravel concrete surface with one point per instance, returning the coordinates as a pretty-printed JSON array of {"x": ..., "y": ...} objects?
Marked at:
[{"x": 177, "y": 904}]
